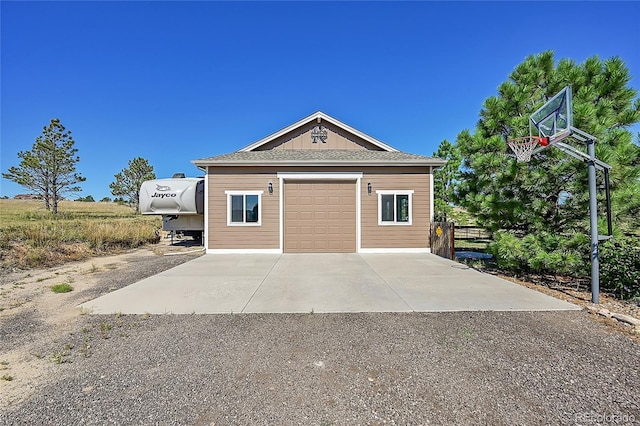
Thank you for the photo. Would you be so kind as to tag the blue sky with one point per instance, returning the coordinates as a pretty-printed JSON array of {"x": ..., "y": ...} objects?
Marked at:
[{"x": 172, "y": 82}]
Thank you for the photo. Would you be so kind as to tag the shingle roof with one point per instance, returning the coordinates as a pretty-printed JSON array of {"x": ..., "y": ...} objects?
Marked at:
[{"x": 322, "y": 157}]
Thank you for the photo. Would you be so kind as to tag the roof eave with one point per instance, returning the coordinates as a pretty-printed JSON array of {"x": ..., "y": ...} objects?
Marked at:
[{"x": 285, "y": 163}]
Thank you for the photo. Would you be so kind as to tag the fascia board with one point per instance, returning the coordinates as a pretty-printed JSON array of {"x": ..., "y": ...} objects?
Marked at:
[{"x": 319, "y": 163}]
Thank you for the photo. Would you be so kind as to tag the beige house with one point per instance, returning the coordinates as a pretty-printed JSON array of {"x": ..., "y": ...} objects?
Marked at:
[{"x": 318, "y": 185}]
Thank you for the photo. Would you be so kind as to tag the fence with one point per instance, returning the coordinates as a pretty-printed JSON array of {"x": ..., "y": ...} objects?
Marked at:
[
  {"x": 442, "y": 239},
  {"x": 469, "y": 238},
  {"x": 466, "y": 232}
]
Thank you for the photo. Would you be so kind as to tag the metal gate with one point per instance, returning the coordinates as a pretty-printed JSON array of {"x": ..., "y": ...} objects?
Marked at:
[{"x": 442, "y": 239}]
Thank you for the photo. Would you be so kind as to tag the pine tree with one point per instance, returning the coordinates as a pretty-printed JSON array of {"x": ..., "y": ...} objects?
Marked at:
[
  {"x": 129, "y": 180},
  {"x": 505, "y": 194},
  {"x": 49, "y": 168},
  {"x": 445, "y": 180},
  {"x": 527, "y": 198}
]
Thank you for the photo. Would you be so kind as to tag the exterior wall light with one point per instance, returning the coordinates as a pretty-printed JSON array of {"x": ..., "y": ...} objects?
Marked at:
[
  {"x": 369, "y": 188},
  {"x": 270, "y": 188}
]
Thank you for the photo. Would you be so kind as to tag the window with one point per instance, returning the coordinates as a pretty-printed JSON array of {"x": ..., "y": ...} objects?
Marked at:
[
  {"x": 244, "y": 208},
  {"x": 394, "y": 207}
]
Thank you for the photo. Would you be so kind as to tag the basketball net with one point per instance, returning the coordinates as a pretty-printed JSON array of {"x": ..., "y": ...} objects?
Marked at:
[{"x": 523, "y": 147}]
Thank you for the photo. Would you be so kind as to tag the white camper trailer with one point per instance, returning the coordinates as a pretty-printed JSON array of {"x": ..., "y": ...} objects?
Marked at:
[{"x": 179, "y": 200}]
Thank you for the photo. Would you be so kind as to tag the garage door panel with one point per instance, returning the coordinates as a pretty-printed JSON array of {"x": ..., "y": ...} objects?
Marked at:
[
  {"x": 334, "y": 230},
  {"x": 334, "y": 245},
  {"x": 336, "y": 200},
  {"x": 288, "y": 230},
  {"x": 320, "y": 245},
  {"x": 305, "y": 215},
  {"x": 305, "y": 246},
  {"x": 320, "y": 216},
  {"x": 320, "y": 229}
]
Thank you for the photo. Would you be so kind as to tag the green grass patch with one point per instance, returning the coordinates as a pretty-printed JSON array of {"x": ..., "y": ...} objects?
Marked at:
[{"x": 61, "y": 288}]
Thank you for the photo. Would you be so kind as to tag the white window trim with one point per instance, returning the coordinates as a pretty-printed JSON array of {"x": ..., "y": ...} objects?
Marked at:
[
  {"x": 408, "y": 192},
  {"x": 431, "y": 200},
  {"x": 206, "y": 209},
  {"x": 230, "y": 193},
  {"x": 320, "y": 175}
]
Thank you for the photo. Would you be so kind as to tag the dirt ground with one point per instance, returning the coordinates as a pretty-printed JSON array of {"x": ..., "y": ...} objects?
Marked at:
[
  {"x": 35, "y": 323},
  {"x": 33, "y": 319}
]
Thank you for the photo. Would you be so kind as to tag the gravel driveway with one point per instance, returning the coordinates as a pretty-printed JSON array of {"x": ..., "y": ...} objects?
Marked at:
[
  {"x": 334, "y": 369},
  {"x": 453, "y": 368}
]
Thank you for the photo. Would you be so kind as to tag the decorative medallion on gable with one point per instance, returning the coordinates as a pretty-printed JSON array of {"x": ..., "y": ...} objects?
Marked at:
[{"x": 319, "y": 133}]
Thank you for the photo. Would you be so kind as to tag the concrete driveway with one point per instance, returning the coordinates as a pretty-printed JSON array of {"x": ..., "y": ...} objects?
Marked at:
[{"x": 251, "y": 283}]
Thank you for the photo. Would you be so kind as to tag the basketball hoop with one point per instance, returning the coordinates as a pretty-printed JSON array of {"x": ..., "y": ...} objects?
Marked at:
[{"x": 523, "y": 147}]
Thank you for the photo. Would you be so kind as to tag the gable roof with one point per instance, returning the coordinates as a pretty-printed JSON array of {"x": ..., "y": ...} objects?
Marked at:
[
  {"x": 251, "y": 155},
  {"x": 315, "y": 116}
]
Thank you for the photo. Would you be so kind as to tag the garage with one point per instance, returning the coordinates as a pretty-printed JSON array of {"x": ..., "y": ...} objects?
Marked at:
[
  {"x": 319, "y": 216},
  {"x": 318, "y": 186}
]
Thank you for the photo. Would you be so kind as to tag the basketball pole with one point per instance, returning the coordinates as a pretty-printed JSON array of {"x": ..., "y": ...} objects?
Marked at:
[
  {"x": 593, "y": 213},
  {"x": 593, "y": 165}
]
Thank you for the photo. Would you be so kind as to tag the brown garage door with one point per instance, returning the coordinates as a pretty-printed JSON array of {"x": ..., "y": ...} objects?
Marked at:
[{"x": 319, "y": 217}]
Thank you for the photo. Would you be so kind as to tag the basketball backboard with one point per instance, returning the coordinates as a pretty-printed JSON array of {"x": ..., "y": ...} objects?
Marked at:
[{"x": 554, "y": 117}]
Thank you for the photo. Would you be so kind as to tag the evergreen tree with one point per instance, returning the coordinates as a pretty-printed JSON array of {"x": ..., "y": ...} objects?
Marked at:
[
  {"x": 505, "y": 194},
  {"x": 129, "y": 180},
  {"x": 445, "y": 180},
  {"x": 526, "y": 198},
  {"x": 49, "y": 169}
]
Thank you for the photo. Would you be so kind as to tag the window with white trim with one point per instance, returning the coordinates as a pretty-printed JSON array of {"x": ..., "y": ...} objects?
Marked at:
[
  {"x": 244, "y": 208},
  {"x": 395, "y": 207}
]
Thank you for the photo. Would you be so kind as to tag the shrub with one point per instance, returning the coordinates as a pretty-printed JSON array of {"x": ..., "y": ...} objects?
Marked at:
[
  {"x": 61, "y": 288},
  {"x": 541, "y": 253},
  {"x": 620, "y": 266},
  {"x": 562, "y": 255}
]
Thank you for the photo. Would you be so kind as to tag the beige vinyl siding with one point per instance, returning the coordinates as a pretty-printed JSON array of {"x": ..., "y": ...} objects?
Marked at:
[
  {"x": 222, "y": 236},
  {"x": 415, "y": 235},
  {"x": 336, "y": 139},
  {"x": 266, "y": 236}
]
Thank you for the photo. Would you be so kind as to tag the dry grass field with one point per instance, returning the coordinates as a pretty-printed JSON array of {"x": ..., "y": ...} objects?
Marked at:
[{"x": 31, "y": 237}]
